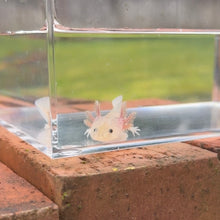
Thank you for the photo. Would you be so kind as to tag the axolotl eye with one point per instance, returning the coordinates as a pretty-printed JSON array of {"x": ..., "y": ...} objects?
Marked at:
[
  {"x": 95, "y": 129},
  {"x": 110, "y": 131}
]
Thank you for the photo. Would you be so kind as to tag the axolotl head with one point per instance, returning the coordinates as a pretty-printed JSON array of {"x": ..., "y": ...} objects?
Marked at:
[{"x": 106, "y": 129}]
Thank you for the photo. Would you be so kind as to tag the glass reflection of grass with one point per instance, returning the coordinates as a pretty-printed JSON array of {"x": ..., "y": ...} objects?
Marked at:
[
  {"x": 18, "y": 44},
  {"x": 176, "y": 67},
  {"x": 23, "y": 65}
]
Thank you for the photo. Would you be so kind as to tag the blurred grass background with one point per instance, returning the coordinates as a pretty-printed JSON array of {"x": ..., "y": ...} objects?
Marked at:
[{"x": 101, "y": 67}]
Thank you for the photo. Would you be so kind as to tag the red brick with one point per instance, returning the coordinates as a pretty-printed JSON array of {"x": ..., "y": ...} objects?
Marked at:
[
  {"x": 67, "y": 105},
  {"x": 20, "y": 200},
  {"x": 168, "y": 181},
  {"x": 76, "y": 105},
  {"x": 6, "y": 102},
  {"x": 212, "y": 144}
]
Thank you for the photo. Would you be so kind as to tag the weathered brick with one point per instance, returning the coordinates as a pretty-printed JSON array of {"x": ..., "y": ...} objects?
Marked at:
[
  {"x": 212, "y": 144},
  {"x": 168, "y": 181},
  {"x": 20, "y": 200}
]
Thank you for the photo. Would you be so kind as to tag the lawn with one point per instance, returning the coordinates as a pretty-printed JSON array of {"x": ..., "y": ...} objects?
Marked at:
[
  {"x": 103, "y": 66},
  {"x": 178, "y": 67}
]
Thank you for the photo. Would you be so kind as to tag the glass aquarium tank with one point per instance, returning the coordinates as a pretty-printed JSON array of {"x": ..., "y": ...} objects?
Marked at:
[{"x": 88, "y": 76}]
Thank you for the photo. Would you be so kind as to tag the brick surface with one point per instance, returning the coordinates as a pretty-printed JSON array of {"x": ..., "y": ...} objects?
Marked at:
[
  {"x": 76, "y": 105},
  {"x": 6, "y": 102},
  {"x": 67, "y": 105},
  {"x": 212, "y": 144},
  {"x": 20, "y": 200},
  {"x": 168, "y": 181}
]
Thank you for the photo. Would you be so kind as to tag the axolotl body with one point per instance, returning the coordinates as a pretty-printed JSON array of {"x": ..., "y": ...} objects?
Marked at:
[{"x": 112, "y": 127}]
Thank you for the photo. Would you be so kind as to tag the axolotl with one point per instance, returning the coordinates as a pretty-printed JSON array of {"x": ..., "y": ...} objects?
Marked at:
[{"x": 112, "y": 127}]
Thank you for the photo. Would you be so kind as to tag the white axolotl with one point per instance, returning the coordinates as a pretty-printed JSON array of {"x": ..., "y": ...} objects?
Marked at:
[{"x": 112, "y": 127}]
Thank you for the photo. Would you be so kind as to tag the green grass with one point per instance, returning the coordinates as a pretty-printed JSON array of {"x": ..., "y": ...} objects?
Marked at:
[{"x": 101, "y": 67}]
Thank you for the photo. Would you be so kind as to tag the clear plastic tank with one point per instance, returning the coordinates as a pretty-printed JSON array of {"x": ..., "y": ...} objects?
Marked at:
[{"x": 82, "y": 77}]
